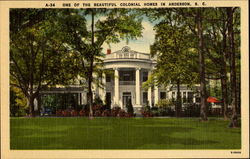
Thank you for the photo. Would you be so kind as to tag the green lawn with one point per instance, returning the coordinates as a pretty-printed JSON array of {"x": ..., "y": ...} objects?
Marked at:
[{"x": 122, "y": 133}]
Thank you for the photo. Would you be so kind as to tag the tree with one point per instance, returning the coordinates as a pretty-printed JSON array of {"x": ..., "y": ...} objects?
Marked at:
[
  {"x": 219, "y": 48},
  {"x": 232, "y": 50},
  {"x": 39, "y": 57},
  {"x": 173, "y": 47},
  {"x": 116, "y": 25},
  {"x": 216, "y": 51}
]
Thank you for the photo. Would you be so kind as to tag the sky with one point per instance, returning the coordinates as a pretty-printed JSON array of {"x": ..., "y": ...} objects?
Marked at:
[{"x": 141, "y": 44}]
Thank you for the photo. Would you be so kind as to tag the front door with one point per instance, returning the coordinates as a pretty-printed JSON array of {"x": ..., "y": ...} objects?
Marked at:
[
  {"x": 126, "y": 98},
  {"x": 108, "y": 100}
]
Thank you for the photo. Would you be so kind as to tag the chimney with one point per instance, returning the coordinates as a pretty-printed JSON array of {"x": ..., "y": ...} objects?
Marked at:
[{"x": 108, "y": 51}]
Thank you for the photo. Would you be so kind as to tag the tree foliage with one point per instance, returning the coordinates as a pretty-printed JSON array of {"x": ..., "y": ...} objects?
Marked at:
[{"x": 38, "y": 53}]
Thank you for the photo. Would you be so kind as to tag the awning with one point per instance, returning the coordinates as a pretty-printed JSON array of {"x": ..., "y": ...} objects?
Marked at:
[{"x": 212, "y": 100}]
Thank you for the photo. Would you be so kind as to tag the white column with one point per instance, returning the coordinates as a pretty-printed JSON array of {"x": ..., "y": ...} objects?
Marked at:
[
  {"x": 156, "y": 94},
  {"x": 94, "y": 87},
  {"x": 79, "y": 98},
  {"x": 137, "y": 87},
  {"x": 83, "y": 95},
  {"x": 116, "y": 94},
  {"x": 149, "y": 92},
  {"x": 102, "y": 90},
  {"x": 194, "y": 99}
]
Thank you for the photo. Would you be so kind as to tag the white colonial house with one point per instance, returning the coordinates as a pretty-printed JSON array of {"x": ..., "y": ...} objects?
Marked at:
[{"x": 130, "y": 69}]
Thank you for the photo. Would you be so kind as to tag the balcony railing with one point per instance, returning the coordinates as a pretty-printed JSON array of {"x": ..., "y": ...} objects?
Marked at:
[
  {"x": 126, "y": 82},
  {"x": 128, "y": 55}
]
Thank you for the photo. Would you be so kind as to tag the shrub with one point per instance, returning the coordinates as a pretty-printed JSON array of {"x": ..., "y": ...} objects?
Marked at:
[
  {"x": 165, "y": 103},
  {"x": 146, "y": 112},
  {"x": 155, "y": 111},
  {"x": 106, "y": 113},
  {"x": 130, "y": 108},
  {"x": 97, "y": 100},
  {"x": 74, "y": 113},
  {"x": 83, "y": 112},
  {"x": 115, "y": 111},
  {"x": 165, "y": 107},
  {"x": 130, "y": 115},
  {"x": 167, "y": 111},
  {"x": 59, "y": 112},
  {"x": 66, "y": 113},
  {"x": 191, "y": 110},
  {"x": 121, "y": 113},
  {"x": 97, "y": 113}
]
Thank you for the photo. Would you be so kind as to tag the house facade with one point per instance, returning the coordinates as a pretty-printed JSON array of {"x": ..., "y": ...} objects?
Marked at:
[
  {"x": 128, "y": 69},
  {"x": 131, "y": 68}
]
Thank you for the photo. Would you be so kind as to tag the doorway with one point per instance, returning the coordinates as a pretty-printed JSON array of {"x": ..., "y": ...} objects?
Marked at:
[{"x": 126, "y": 98}]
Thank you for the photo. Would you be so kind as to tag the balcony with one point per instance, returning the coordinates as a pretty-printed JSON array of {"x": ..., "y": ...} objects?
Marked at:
[{"x": 126, "y": 82}]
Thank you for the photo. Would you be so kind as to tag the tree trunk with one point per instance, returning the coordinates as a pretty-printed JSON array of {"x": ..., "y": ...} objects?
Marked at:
[
  {"x": 203, "y": 95},
  {"x": 31, "y": 105},
  {"x": 224, "y": 95},
  {"x": 178, "y": 100},
  {"x": 224, "y": 78},
  {"x": 234, "y": 117},
  {"x": 90, "y": 75}
]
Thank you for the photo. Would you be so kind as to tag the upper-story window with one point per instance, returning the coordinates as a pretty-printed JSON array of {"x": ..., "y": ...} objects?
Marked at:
[
  {"x": 144, "y": 76},
  {"x": 132, "y": 55},
  {"x": 127, "y": 75},
  {"x": 120, "y": 55},
  {"x": 108, "y": 78},
  {"x": 163, "y": 95},
  {"x": 126, "y": 55}
]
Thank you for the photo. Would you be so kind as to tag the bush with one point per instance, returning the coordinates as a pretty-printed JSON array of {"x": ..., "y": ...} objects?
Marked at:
[
  {"x": 106, "y": 113},
  {"x": 155, "y": 111},
  {"x": 97, "y": 100},
  {"x": 59, "y": 112},
  {"x": 97, "y": 107},
  {"x": 130, "y": 108},
  {"x": 165, "y": 107},
  {"x": 115, "y": 111},
  {"x": 74, "y": 113},
  {"x": 97, "y": 113},
  {"x": 121, "y": 113},
  {"x": 165, "y": 103},
  {"x": 146, "y": 112},
  {"x": 83, "y": 112},
  {"x": 66, "y": 113},
  {"x": 191, "y": 110}
]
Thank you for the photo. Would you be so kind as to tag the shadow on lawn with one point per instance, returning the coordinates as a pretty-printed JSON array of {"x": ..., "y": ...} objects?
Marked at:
[
  {"x": 144, "y": 135},
  {"x": 164, "y": 137}
]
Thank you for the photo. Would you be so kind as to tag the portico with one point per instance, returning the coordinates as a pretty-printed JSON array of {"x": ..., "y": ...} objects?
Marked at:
[{"x": 130, "y": 69}]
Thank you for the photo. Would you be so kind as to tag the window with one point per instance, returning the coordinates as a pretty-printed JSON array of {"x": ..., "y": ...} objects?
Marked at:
[
  {"x": 144, "y": 76},
  {"x": 162, "y": 95},
  {"x": 127, "y": 75},
  {"x": 108, "y": 78},
  {"x": 184, "y": 97},
  {"x": 190, "y": 97},
  {"x": 173, "y": 94},
  {"x": 132, "y": 55},
  {"x": 145, "y": 97},
  {"x": 197, "y": 99},
  {"x": 126, "y": 55},
  {"x": 108, "y": 99}
]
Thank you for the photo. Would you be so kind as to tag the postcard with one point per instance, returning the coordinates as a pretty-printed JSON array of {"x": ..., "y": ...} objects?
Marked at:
[{"x": 124, "y": 79}]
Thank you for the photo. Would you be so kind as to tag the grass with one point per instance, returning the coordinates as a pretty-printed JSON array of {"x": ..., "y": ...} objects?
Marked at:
[{"x": 122, "y": 133}]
